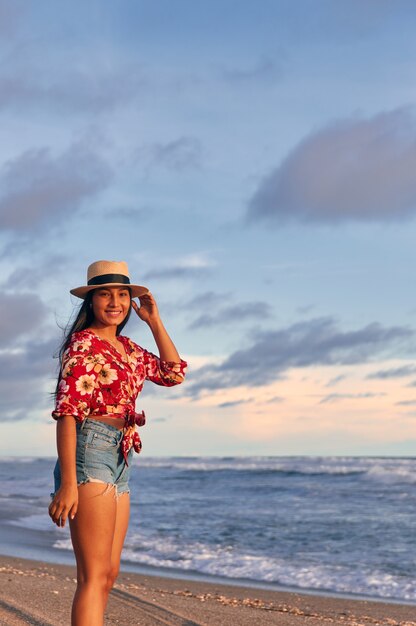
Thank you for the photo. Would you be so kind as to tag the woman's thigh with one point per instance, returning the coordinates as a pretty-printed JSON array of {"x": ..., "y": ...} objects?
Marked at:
[
  {"x": 92, "y": 529},
  {"x": 122, "y": 522}
]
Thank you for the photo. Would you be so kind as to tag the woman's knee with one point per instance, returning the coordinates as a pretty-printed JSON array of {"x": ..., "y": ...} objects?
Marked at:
[
  {"x": 112, "y": 577},
  {"x": 98, "y": 579}
]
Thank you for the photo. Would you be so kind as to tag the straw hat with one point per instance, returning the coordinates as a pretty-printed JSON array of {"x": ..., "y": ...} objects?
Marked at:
[{"x": 108, "y": 274}]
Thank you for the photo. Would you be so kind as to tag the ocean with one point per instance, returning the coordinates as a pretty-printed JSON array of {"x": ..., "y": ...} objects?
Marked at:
[{"x": 326, "y": 524}]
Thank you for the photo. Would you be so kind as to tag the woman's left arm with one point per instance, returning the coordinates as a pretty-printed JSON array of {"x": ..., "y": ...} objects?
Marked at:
[{"x": 149, "y": 313}]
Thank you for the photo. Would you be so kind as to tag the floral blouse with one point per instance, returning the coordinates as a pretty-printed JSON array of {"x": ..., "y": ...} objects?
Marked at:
[{"x": 97, "y": 380}]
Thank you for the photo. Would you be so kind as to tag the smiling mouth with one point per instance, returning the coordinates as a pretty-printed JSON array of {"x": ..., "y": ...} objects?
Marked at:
[{"x": 113, "y": 313}]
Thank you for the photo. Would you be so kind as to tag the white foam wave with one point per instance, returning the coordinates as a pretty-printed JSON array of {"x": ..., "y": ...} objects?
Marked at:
[
  {"x": 381, "y": 469},
  {"x": 63, "y": 544},
  {"x": 305, "y": 465},
  {"x": 37, "y": 521},
  {"x": 400, "y": 472},
  {"x": 225, "y": 561}
]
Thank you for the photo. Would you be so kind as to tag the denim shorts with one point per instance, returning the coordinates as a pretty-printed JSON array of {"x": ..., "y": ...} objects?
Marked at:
[{"x": 99, "y": 457}]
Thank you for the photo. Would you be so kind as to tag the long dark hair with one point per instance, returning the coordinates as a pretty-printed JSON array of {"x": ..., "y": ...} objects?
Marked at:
[{"x": 84, "y": 317}]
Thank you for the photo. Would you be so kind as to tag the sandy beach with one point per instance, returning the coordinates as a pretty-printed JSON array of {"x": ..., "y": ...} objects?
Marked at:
[{"x": 39, "y": 593}]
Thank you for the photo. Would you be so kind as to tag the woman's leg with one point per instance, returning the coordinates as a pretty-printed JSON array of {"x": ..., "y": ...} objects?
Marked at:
[
  {"x": 120, "y": 530},
  {"x": 92, "y": 533}
]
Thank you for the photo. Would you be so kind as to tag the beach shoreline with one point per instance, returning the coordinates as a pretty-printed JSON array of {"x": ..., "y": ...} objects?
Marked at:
[
  {"x": 329, "y": 545},
  {"x": 40, "y": 593}
]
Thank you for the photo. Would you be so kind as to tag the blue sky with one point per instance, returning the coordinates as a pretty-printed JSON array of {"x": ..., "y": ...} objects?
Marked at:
[{"x": 254, "y": 163}]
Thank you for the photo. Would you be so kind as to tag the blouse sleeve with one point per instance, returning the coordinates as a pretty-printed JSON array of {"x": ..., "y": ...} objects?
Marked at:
[
  {"x": 76, "y": 386},
  {"x": 165, "y": 373}
]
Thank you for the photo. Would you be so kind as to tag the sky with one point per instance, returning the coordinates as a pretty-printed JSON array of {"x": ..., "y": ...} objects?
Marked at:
[{"x": 254, "y": 164}]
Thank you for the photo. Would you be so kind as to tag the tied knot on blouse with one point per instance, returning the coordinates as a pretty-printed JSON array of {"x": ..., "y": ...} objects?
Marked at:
[
  {"x": 95, "y": 379},
  {"x": 131, "y": 438}
]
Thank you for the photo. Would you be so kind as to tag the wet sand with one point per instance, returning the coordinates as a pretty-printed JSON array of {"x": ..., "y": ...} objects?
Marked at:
[{"x": 40, "y": 594}]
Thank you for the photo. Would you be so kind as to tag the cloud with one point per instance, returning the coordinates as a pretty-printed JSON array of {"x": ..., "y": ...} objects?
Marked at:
[
  {"x": 38, "y": 188},
  {"x": 406, "y": 403},
  {"x": 265, "y": 69},
  {"x": 398, "y": 372},
  {"x": 25, "y": 375},
  {"x": 190, "y": 267},
  {"x": 207, "y": 299},
  {"x": 20, "y": 314},
  {"x": 175, "y": 272},
  {"x": 36, "y": 274},
  {"x": 233, "y": 314},
  {"x": 335, "y": 397},
  {"x": 314, "y": 342},
  {"x": 214, "y": 314},
  {"x": 68, "y": 89},
  {"x": 231, "y": 403},
  {"x": 177, "y": 155},
  {"x": 334, "y": 381},
  {"x": 25, "y": 363},
  {"x": 302, "y": 310},
  {"x": 275, "y": 399},
  {"x": 353, "y": 169}
]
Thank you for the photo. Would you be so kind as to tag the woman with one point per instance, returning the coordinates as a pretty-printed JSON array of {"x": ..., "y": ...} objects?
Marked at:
[{"x": 102, "y": 373}]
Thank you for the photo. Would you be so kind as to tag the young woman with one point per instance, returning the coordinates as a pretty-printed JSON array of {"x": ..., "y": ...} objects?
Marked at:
[{"x": 102, "y": 373}]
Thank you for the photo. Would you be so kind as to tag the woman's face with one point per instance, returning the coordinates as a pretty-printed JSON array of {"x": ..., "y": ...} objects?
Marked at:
[{"x": 110, "y": 305}]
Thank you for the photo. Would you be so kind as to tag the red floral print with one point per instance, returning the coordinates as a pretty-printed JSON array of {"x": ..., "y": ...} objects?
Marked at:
[{"x": 96, "y": 380}]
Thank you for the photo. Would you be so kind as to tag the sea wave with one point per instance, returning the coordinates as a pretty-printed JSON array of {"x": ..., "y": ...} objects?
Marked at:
[
  {"x": 341, "y": 524},
  {"x": 225, "y": 562},
  {"x": 377, "y": 468},
  {"x": 392, "y": 474},
  {"x": 36, "y": 521},
  {"x": 290, "y": 466}
]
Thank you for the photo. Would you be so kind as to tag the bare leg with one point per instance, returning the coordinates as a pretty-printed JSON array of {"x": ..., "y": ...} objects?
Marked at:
[
  {"x": 92, "y": 533},
  {"x": 122, "y": 522}
]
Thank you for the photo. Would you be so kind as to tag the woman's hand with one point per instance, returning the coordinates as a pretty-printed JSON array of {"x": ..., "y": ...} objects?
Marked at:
[
  {"x": 64, "y": 503},
  {"x": 148, "y": 311}
]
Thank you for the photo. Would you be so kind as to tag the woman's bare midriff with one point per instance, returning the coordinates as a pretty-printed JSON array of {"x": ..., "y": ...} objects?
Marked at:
[{"x": 117, "y": 422}]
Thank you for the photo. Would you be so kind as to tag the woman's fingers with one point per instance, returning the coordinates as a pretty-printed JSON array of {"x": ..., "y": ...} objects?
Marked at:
[
  {"x": 55, "y": 512},
  {"x": 147, "y": 310},
  {"x": 73, "y": 510},
  {"x": 59, "y": 512},
  {"x": 52, "y": 510},
  {"x": 147, "y": 297},
  {"x": 64, "y": 515}
]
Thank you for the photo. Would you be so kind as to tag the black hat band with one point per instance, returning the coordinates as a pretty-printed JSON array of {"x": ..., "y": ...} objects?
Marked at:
[{"x": 109, "y": 278}]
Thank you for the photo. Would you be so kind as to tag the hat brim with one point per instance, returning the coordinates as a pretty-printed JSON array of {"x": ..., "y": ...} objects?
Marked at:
[{"x": 136, "y": 290}]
